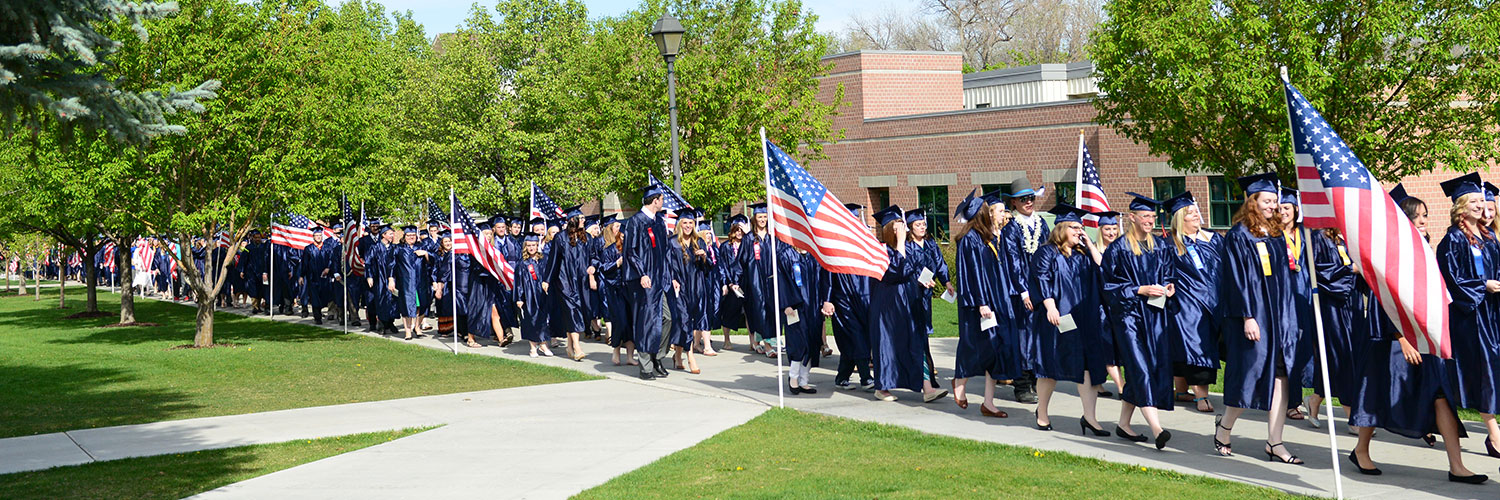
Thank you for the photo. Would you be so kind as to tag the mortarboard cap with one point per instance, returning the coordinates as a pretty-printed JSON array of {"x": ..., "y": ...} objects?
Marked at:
[
  {"x": 969, "y": 207},
  {"x": 651, "y": 191},
  {"x": 854, "y": 208},
  {"x": 1067, "y": 213},
  {"x": 434, "y": 223},
  {"x": 1142, "y": 202},
  {"x": 1398, "y": 194},
  {"x": 532, "y": 237},
  {"x": 1466, "y": 184},
  {"x": 1108, "y": 218},
  {"x": 1491, "y": 192},
  {"x": 888, "y": 215},
  {"x": 591, "y": 220},
  {"x": 1179, "y": 202},
  {"x": 995, "y": 197},
  {"x": 705, "y": 225},
  {"x": 573, "y": 211},
  {"x": 409, "y": 229},
  {"x": 916, "y": 215},
  {"x": 1289, "y": 195},
  {"x": 610, "y": 219},
  {"x": 1260, "y": 183},
  {"x": 537, "y": 220},
  {"x": 757, "y": 208},
  {"x": 482, "y": 226},
  {"x": 445, "y": 234}
]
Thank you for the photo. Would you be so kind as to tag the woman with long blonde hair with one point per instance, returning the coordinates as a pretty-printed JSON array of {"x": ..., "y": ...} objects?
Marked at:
[
  {"x": 688, "y": 296},
  {"x": 1467, "y": 259},
  {"x": 1065, "y": 281},
  {"x": 1195, "y": 308},
  {"x": 609, "y": 262},
  {"x": 898, "y": 349},
  {"x": 1137, "y": 282},
  {"x": 1109, "y": 231},
  {"x": 975, "y": 278},
  {"x": 1260, "y": 322}
]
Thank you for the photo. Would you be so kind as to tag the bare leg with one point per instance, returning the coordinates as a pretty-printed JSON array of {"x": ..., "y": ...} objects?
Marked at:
[
  {"x": 1152, "y": 419},
  {"x": 692, "y": 364},
  {"x": 1114, "y": 374},
  {"x": 989, "y": 392},
  {"x": 1089, "y": 393},
  {"x": 960, "y": 389},
  {"x": 630, "y": 354},
  {"x": 1314, "y": 403},
  {"x": 1448, "y": 427},
  {"x": 1127, "y": 412},
  {"x": 1179, "y": 386},
  {"x": 727, "y": 345},
  {"x": 1276, "y": 420},
  {"x": 1044, "y": 388},
  {"x": 1231, "y": 414},
  {"x": 1201, "y": 391},
  {"x": 1362, "y": 448},
  {"x": 1494, "y": 429}
]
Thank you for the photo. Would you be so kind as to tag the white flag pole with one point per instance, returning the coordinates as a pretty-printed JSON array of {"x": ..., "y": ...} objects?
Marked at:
[
  {"x": 344, "y": 264},
  {"x": 1312, "y": 276},
  {"x": 775, "y": 285},
  {"x": 271, "y": 282},
  {"x": 452, "y": 287}
]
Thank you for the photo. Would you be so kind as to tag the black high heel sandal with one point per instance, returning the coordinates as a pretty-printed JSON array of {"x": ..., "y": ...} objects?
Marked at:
[
  {"x": 1085, "y": 428},
  {"x": 1223, "y": 449},
  {"x": 1272, "y": 456}
]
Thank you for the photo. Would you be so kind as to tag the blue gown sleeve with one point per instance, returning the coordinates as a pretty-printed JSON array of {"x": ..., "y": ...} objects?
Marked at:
[
  {"x": 1456, "y": 263},
  {"x": 1119, "y": 286},
  {"x": 1044, "y": 275},
  {"x": 940, "y": 265},
  {"x": 1240, "y": 269}
]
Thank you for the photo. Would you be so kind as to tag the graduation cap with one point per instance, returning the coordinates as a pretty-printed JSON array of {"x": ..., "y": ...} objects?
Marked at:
[
  {"x": 445, "y": 234},
  {"x": 374, "y": 221},
  {"x": 336, "y": 226},
  {"x": 1491, "y": 192},
  {"x": 741, "y": 221},
  {"x": 995, "y": 197},
  {"x": 651, "y": 192},
  {"x": 1260, "y": 183},
  {"x": 687, "y": 213},
  {"x": 1108, "y": 218},
  {"x": 532, "y": 237},
  {"x": 498, "y": 220},
  {"x": 409, "y": 229},
  {"x": 592, "y": 220},
  {"x": 758, "y": 208},
  {"x": 1398, "y": 194},
  {"x": 916, "y": 215},
  {"x": 557, "y": 223},
  {"x": 1457, "y": 187},
  {"x": 1067, "y": 213},
  {"x": 383, "y": 229},
  {"x": 254, "y": 232},
  {"x": 1179, "y": 202},
  {"x": 1289, "y": 195},
  {"x": 705, "y": 225},
  {"x": 1143, "y": 202},
  {"x": 482, "y": 225},
  {"x": 888, "y": 215},
  {"x": 609, "y": 219},
  {"x": 537, "y": 220},
  {"x": 434, "y": 223},
  {"x": 854, "y": 208},
  {"x": 969, "y": 207},
  {"x": 573, "y": 211}
]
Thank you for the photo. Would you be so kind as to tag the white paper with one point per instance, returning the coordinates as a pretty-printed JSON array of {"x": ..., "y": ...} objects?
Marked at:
[
  {"x": 988, "y": 323},
  {"x": 949, "y": 296},
  {"x": 1159, "y": 302},
  {"x": 737, "y": 292},
  {"x": 926, "y": 277},
  {"x": 1065, "y": 324},
  {"x": 791, "y": 318}
]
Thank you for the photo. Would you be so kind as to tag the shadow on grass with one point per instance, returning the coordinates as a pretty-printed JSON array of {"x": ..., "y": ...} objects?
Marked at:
[
  {"x": 170, "y": 476},
  {"x": 85, "y": 396},
  {"x": 177, "y": 323}
]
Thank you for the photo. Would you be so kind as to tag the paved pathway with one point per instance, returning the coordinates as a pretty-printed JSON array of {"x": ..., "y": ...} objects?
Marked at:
[{"x": 737, "y": 384}]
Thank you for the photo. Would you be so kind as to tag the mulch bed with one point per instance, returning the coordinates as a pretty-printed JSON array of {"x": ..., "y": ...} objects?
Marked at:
[
  {"x": 191, "y": 346},
  {"x": 89, "y": 315},
  {"x": 124, "y": 325}
]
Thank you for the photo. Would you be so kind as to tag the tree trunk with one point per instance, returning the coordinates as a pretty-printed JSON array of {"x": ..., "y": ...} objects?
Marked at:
[
  {"x": 205, "y": 335},
  {"x": 36, "y": 282},
  {"x": 127, "y": 293},
  {"x": 62, "y": 290}
]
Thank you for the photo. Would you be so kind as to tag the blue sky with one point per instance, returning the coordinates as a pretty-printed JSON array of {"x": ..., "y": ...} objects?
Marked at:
[{"x": 442, "y": 15}]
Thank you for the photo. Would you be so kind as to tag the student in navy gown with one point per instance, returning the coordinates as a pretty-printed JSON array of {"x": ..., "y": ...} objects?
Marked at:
[
  {"x": 1109, "y": 231},
  {"x": 1026, "y": 232},
  {"x": 1010, "y": 361},
  {"x": 1401, "y": 389},
  {"x": 731, "y": 301},
  {"x": 1492, "y": 301},
  {"x": 898, "y": 350},
  {"x": 1338, "y": 302},
  {"x": 406, "y": 281},
  {"x": 647, "y": 280},
  {"x": 1469, "y": 268},
  {"x": 755, "y": 281},
  {"x": 568, "y": 269},
  {"x": 1260, "y": 320},
  {"x": 319, "y": 266},
  {"x": 443, "y": 286},
  {"x": 714, "y": 291},
  {"x": 1137, "y": 284},
  {"x": 608, "y": 264},
  {"x": 593, "y": 295},
  {"x": 1065, "y": 283},
  {"x": 977, "y": 265},
  {"x": 849, "y": 294},
  {"x": 687, "y": 258},
  {"x": 504, "y": 318},
  {"x": 1304, "y": 364},
  {"x": 924, "y": 250},
  {"x": 792, "y": 279},
  {"x": 532, "y": 296},
  {"x": 478, "y": 300},
  {"x": 1194, "y": 309}
]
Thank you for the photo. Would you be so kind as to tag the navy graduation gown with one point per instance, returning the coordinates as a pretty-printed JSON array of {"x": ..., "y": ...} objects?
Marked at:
[
  {"x": 731, "y": 306},
  {"x": 593, "y": 298},
  {"x": 976, "y": 283},
  {"x": 1304, "y": 360},
  {"x": 898, "y": 351},
  {"x": 1142, "y": 345},
  {"x": 1392, "y": 393},
  {"x": 645, "y": 254},
  {"x": 567, "y": 271},
  {"x": 615, "y": 309},
  {"x": 1473, "y": 328},
  {"x": 424, "y": 285},
  {"x": 535, "y": 308},
  {"x": 1338, "y": 302},
  {"x": 713, "y": 293},
  {"x": 755, "y": 281},
  {"x": 254, "y": 266},
  {"x": 694, "y": 276},
  {"x": 850, "y": 295},
  {"x": 406, "y": 267},
  {"x": 1072, "y": 282},
  {"x": 928, "y": 255},
  {"x": 681, "y": 333},
  {"x": 796, "y": 287},
  {"x": 442, "y": 273},
  {"x": 318, "y": 268},
  {"x": 1017, "y": 267},
  {"x": 1194, "y": 310},
  {"x": 478, "y": 300},
  {"x": 1255, "y": 282}
]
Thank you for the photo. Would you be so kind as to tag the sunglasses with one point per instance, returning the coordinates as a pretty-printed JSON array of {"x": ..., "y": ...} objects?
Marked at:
[{"x": 1026, "y": 199}]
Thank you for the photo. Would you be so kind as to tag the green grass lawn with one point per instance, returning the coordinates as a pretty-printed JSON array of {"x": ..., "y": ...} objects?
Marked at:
[
  {"x": 182, "y": 474},
  {"x": 790, "y": 454},
  {"x": 61, "y": 374}
]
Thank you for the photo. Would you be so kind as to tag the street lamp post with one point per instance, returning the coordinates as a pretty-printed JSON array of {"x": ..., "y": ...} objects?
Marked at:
[{"x": 668, "y": 35}]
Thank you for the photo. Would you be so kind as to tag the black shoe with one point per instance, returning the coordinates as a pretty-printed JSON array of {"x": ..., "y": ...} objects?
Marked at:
[
  {"x": 1292, "y": 459},
  {"x": 1086, "y": 428},
  {"x": 648, "y": 376},
  {"x": 809, "y": 390},
  {"x": 1368, "y": 472},
  {"x": 1106, "y": 394},
  {"x": 317, "y": 321},
  {"x": 1161, "y": 439},
  {"x": 1041, "y": 427},
  {"x": 660, "y": 371},
  {"x": 354, "y": 323},
  {"x": 1028, "y": 397},
  {"x": 1490, "y": 448},
  {"x": 1471, "y": 479},
  {"x": 794, "y": 390},
  {"x": 1134, "y": 438}
]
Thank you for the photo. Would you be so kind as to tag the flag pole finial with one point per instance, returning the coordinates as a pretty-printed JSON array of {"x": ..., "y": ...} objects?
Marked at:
[{"x": 1284, "y": 76}]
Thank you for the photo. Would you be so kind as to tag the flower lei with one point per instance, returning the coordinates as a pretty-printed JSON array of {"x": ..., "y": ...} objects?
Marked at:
[{"x": 1031, "y": 232}]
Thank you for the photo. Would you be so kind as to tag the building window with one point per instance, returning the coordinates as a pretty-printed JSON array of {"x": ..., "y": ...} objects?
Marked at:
[
  {"x": 879, "y": 198},
  {"x": 982, "y": 105},
  {"x": 1223, "y": 198},
  {"x": 1067, "y": 192},
  {"x": 720, "y": 222},
  {"x": 935, "y": 200},
  {"x": 989, "y": 188},
  {"x": 1164, "y": 188}
]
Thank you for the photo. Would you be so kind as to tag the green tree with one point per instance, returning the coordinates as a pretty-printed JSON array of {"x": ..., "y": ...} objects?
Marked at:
[
  {"x": 51, "y": 56},
  {"x": 1410, "y": 84}
]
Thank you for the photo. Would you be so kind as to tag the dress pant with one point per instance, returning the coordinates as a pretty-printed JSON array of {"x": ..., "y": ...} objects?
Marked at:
[{"x": 649, "y": 360}]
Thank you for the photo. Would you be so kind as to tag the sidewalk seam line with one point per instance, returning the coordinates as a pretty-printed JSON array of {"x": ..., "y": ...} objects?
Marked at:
[{"x": 80, "y": 447}]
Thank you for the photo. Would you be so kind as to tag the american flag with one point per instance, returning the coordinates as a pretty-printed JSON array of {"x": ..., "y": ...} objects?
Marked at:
[
  {"x": 353, "y": 230},
  {"x": 297, "y": 233},
  {"x": 467, "y": 240},
  {"x": 542, "y": 205},
  {"x": 671, "y": 202},
  {"x": 1339, "y": 192},
  {"x": 434, "y": 212},
  {"x": 1090, "y": 195},
  {"x": 222, "y": 240},
  {"x": 813, "y": 219},
  {"x": 75, "y": 260},
  {"x": 176, "y": 254},
  {"x": 109, "y": 255}
]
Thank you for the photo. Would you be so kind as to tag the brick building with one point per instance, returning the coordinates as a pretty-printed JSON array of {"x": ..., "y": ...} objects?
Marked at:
[{"x": 920, "y": 132}]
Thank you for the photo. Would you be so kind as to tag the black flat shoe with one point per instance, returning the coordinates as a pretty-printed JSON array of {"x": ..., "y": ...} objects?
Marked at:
[
  {"x": 794, "y": 390},
  {"x": 648, "y": 376},
  {"x": 1041, "y": 427},
  {"x": 1161, "y": 439},
  {"x": 1472, "y": 479},
  {"x": 1134, "y": 438},
  {"x": 1490, "y": 448},
  {"x": 809, "y": 390},
  {"x": 1375, "y": 471},
  {"x": 1106, "y": 394},
  {"x": 1085, "y": 428}
]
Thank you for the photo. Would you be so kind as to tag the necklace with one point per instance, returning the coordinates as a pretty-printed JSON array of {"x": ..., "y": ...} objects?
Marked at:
[{"x": 1031, "y": 232}]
